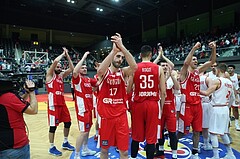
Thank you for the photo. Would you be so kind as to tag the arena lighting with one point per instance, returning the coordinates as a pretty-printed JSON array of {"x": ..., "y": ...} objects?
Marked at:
[
  {"x": 35, "y": 42},
  {"x": 99, "y": 9},
  {"x": 115, "y": 0},
  {"x": 72, "y": 1}
]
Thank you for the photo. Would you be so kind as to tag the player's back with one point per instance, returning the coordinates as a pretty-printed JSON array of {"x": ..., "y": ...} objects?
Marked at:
[
  {"x": 146, "y": 80},
  {"x": 221, "y": 97}
]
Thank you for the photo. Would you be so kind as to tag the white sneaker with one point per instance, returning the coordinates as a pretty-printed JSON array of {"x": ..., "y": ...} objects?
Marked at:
[
  {"x": 195, "y": 156},
  {"x": 237, "y": 127},
  {"x": 77, "y": 157},
  {"x": 88, "y": 152},
  {"x": 207, "y": 147},
  {"x": 212, "y": 158},
  {"x": 229, "y": 156}
]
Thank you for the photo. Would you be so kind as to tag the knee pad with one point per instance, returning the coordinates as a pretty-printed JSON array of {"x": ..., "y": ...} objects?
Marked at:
[
  {"x": 173, "y": 140},
  {"x": 67, "y": 124},
  {"x": 52, "y": 129},
  {"x": 150, "y": 149},
  {"x": 134, "y": 148},
  {"x": 225, "y": 139}
]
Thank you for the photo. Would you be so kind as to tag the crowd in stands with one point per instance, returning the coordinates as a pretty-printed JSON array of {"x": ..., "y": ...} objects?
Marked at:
[{"x": 228, "y": 41}]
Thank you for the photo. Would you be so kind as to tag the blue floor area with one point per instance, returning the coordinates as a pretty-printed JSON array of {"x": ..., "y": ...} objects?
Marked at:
[{"x": 184, "y": 150}]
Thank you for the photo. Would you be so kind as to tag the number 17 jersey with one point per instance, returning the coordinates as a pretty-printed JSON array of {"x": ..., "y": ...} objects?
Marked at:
[{"x": 146, "y": 80}]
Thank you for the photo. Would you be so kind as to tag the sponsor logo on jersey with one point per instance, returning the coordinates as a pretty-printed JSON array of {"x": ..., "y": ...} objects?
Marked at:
[
  {"x": 113, "y": 101},
  {"x": 105, "y": 142},
  {"x": 59, "y": 93}
]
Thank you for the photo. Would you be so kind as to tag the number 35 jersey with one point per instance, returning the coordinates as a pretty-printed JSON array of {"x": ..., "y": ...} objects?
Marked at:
[{"x": 146, "y": 80}]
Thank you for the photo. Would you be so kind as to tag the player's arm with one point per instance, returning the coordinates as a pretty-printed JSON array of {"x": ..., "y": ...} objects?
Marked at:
[
  {"x": 187, "y": 61},
  {"x": 173, "y": 75},
  {"x": 162, "y": 86},
  {"x": 33, "y": 107},
  {"x": 159, "y": 55},
  {"x": 128, "y": 56},
  {"x": 130, "y": 84},
  {"x": 238, "y": 76},
  {"x": 103, "y": 67},
  {"x": 213, "y": 87},
  {"x": 50, "y": 71},
  {"x": 212, "y": 59},
  {"x": 70, "y": 64},
  {"x": 209, "y": 81},
  {"x": 235, "y": 94},
  {"x": 77, "y": 68}
]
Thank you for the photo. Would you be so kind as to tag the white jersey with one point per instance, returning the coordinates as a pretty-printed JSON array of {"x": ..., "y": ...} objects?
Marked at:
[
  {"x": 221, "y": 97},
  {"x": 211, "y": 75},
  {"x": 234, "y": 80},
  {"x": 170, "y": 83},
  {"x": 204, "y": 87}
]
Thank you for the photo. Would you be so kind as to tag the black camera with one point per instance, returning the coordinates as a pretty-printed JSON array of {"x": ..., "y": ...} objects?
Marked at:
[{"x": 16, "y": 81}]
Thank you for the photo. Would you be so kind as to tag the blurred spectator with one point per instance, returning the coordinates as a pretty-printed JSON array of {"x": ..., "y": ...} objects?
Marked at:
[{"x": 238, "y": 36}]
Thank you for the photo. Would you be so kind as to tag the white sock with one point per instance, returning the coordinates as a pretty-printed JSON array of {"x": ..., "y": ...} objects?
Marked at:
[
  {"x": 205, "y": 141},
  {"x": 161, "y": 148},
  {"x": 215, "y": 152},
  {"x": 229, "y": 149},
  {"x": 77, "y": 153},
  {"x": 51, "y": 145},
  {"x": 65, "y": 139},
  {"x": 84, "y": 147},
  {"x": 236, "y": 123},
  {"x": 174, "y": 153}
]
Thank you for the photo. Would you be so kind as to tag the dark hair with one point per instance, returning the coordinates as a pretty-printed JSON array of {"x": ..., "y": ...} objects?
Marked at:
[
  {"x": 146, "y": 50},
  {"x": 233, "y": 66},
  {"x": 222, "y": 67}
]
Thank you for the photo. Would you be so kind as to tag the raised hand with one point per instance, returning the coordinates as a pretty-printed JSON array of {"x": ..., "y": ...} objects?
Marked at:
[
  {"x": 197, "y": 45},
  {"x": 212, "y": 45},
  {"x": 86, "y": 54},
  {"x": 115, "y": 48},
  {"x": 117, "y": 39},
  {"x": 160, "y": 51},
  {"x": 29, "y": 86}
]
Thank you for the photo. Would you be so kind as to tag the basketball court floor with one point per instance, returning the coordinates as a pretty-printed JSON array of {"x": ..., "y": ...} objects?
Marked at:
[{"x": 38, "y": 134}]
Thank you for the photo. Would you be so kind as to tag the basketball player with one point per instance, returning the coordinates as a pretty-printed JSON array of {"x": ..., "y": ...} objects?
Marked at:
[
  {"x": 83, "y": 89},
  {"x": 222, "y": 91},
  {"x": 235, "y": 79},
  {"x": 212, "y": 73},
  {"x": 206, "y": 106},
  {"x": 57, "y": 108},
  {"x": 148, "y": 81},
  {"x": 191, "y": 108},
  {"x": 168, "y": 117},
  {"x": 114, "y": 130}
]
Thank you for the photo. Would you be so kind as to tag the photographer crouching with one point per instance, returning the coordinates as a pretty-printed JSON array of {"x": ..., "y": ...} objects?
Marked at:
[{"x": 14, "y": 143}]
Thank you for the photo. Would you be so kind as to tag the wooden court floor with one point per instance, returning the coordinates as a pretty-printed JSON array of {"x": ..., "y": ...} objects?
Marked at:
[{"x": 38, "y": 133}]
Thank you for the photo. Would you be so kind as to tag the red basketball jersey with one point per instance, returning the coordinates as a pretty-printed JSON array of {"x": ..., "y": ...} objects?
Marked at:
[
  {"x": 83, "y": 91},
  {"x": 55, "y": 89},
  {"x": 112, "y": 95},
  {"x": 146, "y": 80},
  {"x": 169, "y": 91},
  {"x": 190, "y": 88}
]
